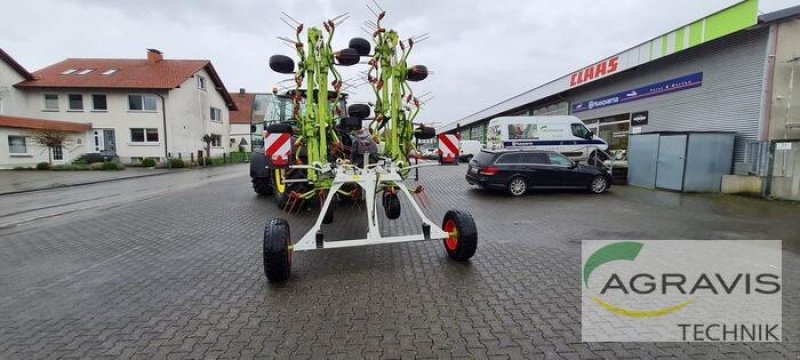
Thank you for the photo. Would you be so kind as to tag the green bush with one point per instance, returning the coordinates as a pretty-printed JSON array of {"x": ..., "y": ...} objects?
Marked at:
[
  {"x": 23, "y": 168},
  {"x": 177, "y": 164},
  {"x": 80, "y": 161},
  {"x": 148, "y": 163},
  {"x": 43, "y": 166},
  {"x": 71, "y": 167},
  {"x": 111, "y": 166}
]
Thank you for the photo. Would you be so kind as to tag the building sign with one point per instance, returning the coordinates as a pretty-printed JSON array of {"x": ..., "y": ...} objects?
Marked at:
[
  {"x": 661, "y": 88},
  {"x": 639, "y": 118},
  {"x": 594, "y": 72}
]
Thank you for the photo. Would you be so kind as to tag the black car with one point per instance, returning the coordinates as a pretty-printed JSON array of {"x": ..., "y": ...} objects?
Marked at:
[{"x": 516, "y": 171}]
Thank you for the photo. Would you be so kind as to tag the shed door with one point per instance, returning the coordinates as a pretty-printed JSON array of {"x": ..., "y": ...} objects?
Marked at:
[{"x": 671, "y": 162}]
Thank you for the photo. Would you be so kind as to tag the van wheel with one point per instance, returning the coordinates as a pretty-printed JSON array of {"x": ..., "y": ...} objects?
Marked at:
[
  {"x": 517, "y": 186},
  {"x": 598, "y": 185}
]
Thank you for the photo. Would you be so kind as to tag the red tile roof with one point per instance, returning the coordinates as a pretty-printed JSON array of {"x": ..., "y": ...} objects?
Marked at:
[
  {"x": 39, "y": 124},
  {"x": 245, "y": 105},
  {"x": 137, "y": 74},
  {"x": 15, "y": 65}
]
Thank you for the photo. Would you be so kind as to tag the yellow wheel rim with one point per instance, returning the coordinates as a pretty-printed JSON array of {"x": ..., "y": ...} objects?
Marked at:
[{"x": 279, "y": 184}]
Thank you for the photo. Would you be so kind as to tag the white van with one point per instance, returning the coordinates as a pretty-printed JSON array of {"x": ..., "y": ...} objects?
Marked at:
[
  {"x": 469, "y": 148},
  {"x": 561, "y": 133}
]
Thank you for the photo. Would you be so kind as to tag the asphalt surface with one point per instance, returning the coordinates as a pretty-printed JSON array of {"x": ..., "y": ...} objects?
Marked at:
[{"x": 176, "y": 272}]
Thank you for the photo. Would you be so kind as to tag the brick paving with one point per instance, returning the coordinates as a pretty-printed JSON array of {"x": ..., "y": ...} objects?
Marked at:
[{"x": 180, "y": 276}]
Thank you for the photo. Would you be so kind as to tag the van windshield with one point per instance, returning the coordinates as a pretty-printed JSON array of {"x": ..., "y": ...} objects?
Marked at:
[{"x": 580, "y": 131}]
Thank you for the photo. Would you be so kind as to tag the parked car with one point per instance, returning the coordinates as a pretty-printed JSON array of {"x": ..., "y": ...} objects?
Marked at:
[
  {"x": 469, "y": 148},
  {"x": 102, "y": 156},
  {"x": 517, "y": 171},
  {"x": 430, "y": 153}
]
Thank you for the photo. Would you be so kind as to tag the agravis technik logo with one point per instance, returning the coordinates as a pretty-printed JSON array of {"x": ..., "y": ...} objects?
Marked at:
[{"x": 681, "y": 290}]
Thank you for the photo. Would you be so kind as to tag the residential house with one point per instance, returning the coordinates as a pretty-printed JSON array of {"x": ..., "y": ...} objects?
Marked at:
[
  {"x": 137, "y": 108},
  {"x": 242, "y": 119}
]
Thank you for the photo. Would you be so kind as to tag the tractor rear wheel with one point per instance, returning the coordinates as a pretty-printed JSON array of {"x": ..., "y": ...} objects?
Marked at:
[
  {"x": 277, "y": 250},
  {"x": 262, "y": 185}
]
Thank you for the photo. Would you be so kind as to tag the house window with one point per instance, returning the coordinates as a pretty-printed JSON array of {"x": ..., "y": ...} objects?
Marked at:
[
  {"x": 216, "y": 114},
  {"x": 17, "y": 145},
  {"x": 58, "y": 152},
  {"x": 139, "y": 135},
  {"x": 75, "y": 102},
  {"x": 99, "y": 103},
  {"x": 109, "y": 71},
  {"x": 69, "y": 71},
  {"x": 216, "y": 140},
  {"x": 51, "y": 102},
  {"x": 85, "y": 71},
  {"x": 141, "y": 103},
  {"x": 201, "y": 82}
]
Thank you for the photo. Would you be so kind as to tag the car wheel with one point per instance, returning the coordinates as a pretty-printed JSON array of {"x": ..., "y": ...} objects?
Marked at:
[
  {"x": 598, "y": 185},
  {"x": 462, "y": 239},
  {"x": 277, "y": 251},
  {"x": 517, "y": 186}
]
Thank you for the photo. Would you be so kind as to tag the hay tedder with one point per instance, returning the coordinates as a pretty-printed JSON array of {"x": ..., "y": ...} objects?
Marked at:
[{"x": 310, "y": 156}]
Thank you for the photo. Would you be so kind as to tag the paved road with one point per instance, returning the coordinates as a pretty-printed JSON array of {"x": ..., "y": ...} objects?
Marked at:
[
  {"x": 14, "y": 181},
  {"x": 178, "y": 275}
]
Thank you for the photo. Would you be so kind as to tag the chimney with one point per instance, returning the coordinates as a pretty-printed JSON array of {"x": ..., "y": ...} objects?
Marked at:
[
  {"x": 154, "y": 56},
  {"x": 242, "y": 91}
]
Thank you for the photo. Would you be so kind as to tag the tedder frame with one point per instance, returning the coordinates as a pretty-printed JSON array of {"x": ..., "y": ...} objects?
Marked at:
[{"x": 312, "y": 157}]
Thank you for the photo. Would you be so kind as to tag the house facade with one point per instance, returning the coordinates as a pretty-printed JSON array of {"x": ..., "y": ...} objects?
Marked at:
[{"x": 136, "y": 108}]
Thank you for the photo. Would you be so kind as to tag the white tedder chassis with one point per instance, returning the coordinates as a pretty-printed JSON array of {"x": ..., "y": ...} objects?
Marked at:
[{"x": 458, "y": 230}]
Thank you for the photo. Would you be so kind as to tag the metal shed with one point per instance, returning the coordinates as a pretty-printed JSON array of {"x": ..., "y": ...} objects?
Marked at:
[{"x": 688, "y": 161}]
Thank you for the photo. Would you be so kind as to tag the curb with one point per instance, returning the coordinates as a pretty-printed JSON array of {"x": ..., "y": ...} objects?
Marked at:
[{"x": 86, "y": 183}]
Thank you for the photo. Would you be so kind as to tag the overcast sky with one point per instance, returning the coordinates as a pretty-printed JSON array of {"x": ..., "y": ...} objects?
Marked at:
[{"x": 481, "y": 51}]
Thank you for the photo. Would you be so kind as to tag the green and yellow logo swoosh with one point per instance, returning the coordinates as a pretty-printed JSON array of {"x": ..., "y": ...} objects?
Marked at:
[{"x": 627, "y": 251}]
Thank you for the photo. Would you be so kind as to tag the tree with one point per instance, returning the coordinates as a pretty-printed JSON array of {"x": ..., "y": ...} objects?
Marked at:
[
  {"x": 50, "y": 139},
  {"x": 207, "y": 139}
]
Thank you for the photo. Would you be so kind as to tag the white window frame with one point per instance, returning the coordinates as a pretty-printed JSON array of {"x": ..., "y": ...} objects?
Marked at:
[
  {"x": 146, "y": 140},
  {"x": 25, "y": 142},
  {"x": 217, "y": 140},
  {"x": 44, "y": 102},
  {"x": 215, "y": 111},
  {"x": 93, "y": 103},
  {"x": 144, "y": 110},
  {"x": 202, "y": 84},
  {"x": 69, "y": 103}
]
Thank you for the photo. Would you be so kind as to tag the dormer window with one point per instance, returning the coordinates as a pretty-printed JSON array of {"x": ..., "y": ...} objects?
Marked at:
[{"x": 70, "y": 71}]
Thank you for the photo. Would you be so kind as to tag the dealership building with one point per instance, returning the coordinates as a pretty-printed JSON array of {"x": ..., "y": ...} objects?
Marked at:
[{"x": 732, "y": 71}]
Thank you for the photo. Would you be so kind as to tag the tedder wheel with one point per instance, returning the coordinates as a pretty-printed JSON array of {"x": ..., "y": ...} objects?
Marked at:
[
  {"x": 262, "y": 185},
  {"x": 281, "y": 190},
  {"x": 391, "y": 205},
  {"x": 277, "y": 250},
  {"x": 463, "y": 236}
]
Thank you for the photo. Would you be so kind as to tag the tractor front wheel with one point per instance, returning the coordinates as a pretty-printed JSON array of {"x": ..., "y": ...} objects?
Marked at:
[
  {"x": 277, "y": 250},
  {"x": 462, "y": 239}
]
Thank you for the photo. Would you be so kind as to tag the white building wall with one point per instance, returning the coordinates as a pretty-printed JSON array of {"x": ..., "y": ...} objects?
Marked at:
[
  {"x": 74, "y": 147},
  {"x": 189, "y": 118},
  {"x": 12, "y": 101}
]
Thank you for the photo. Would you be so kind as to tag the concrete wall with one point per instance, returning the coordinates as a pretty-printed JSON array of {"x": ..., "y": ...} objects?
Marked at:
[{"x": 785, "y": 102}]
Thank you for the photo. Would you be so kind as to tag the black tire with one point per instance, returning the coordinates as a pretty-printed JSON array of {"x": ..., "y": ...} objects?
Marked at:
[
  {"x": 598, "y": 185},
  {"x": 417, "y": 73},
  {"x": 467, "y": 159},
  {"x": 597, "y": 158},
  {"x": 282, "y": 197},
  {"x": 262, "y": 185},
  {"x": 462, "y": 245},
  {"x": 351, "y": 123},
  {"x": 517, "y": 186},
  {"x": 391, "y": 205},
  {"x": 359, "y": 111},
  {"x": 282, "y": 128},
  {"x": 363, "y": 46},
  {"x": 328, "y": 218},
  {"x": 424, "y": 133},
  {"x": 347, "y": 57},
  {"x": 281, "y": 64},
  {"x": 277, "y": 252}
]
